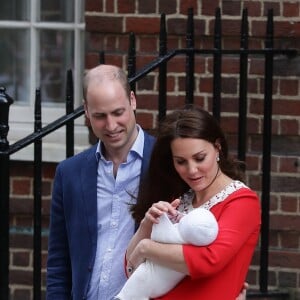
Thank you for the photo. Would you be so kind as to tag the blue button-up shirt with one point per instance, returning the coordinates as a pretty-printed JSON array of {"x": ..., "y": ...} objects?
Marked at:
[{"x": 115, "y": 224}]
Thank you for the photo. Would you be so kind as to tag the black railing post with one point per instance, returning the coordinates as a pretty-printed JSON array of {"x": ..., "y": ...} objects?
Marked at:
[
  {"x": 162, "y": 76},
  {"x": 101, "y": 57},
  {"x": 266, "y": 159},
  {"x": 37, "y": 186},
  {"x": 69, "y": 110},
  {"x": 190, "y": 58},
  {"x": 5, "y": 102},
  {"x": 242, "y": 129},
  {"x": 217, "y": 65},
  {"x": 131, "y": 66}
]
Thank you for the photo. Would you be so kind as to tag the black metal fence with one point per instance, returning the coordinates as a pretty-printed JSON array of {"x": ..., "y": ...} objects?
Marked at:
[{"x": 160, "y": 64}]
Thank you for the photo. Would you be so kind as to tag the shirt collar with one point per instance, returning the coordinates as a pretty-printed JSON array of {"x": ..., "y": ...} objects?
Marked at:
[{"x": 137, "y": 147}]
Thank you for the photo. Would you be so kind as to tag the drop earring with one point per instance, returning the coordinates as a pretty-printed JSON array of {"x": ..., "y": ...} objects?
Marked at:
[{"x": 218, "y": 158}]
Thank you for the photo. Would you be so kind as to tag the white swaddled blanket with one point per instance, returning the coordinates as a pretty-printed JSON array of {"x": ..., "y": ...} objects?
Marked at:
[{"x": 150, "y": 280}]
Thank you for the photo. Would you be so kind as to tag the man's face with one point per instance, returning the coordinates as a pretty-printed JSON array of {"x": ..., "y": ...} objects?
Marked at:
[{"x": 111, "y": 114}]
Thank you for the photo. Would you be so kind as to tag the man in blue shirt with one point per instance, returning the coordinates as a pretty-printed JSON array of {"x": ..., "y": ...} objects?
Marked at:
[{"x": 90, "y": 220}]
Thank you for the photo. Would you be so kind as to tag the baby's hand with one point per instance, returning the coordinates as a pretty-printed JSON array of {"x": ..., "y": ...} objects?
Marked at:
[{"x": 176, "y": 218}]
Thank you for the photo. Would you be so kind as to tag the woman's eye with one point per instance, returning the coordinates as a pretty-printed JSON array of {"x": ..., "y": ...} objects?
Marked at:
[{"x": 199, "y": 159}]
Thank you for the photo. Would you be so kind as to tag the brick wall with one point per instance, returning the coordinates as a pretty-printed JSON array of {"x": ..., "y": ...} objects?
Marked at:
[{"x": 107, "y": 26}]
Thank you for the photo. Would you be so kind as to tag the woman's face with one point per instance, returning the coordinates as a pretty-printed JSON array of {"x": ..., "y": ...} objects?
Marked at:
[{"x": 195, "y": 160}]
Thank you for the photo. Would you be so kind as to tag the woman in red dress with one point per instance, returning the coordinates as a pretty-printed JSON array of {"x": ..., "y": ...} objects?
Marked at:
[{"x": 189, "y": 168}]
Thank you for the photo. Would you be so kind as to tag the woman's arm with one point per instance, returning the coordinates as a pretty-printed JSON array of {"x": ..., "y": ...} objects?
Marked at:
[
  {"x": 167, "y": 255},
  {"x": 136, "y": 249}
]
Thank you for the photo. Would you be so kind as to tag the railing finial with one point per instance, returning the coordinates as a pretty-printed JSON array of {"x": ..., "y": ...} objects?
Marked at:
[{"x": 5, "y": 102}]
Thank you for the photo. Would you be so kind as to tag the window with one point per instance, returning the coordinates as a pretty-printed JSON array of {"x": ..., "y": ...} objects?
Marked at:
[{"x": 40, "y": 41}]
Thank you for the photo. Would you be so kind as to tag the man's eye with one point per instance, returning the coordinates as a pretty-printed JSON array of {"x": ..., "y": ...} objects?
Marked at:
[{"x": 118, "y": 113}]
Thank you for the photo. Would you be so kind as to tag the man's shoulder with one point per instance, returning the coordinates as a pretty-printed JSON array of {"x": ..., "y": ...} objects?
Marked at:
[
  {"x": 80, "y": 157},
  {"x": 148, "y": 137}
]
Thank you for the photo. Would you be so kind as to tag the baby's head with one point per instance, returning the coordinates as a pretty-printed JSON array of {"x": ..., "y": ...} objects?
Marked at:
[{"x": 199, "y": 227}]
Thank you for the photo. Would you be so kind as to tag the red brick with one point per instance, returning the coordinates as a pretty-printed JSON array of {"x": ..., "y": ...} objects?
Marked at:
[
  {"x": 146, "y": 6},
  {"x": 288, "y": 165},
  {"x": 146, "y": 120},
  {"x": 229, "y": 27},
  {"x": 285, "y": 222},
  {"x": 253, "y": 7},
  {"x": 286, "y": 107},
  {"x": 252, "y": 162},
  {"x": 275, "y": 6},
  {"x": 22, "y": 294},
  {"x": 125, "y": 7},
  {"x": 287, "y": 29},
  {"x": 231, "y": 42},
  {"x": 146, "y": 83},
  {"x": 229, "y": 104},
  {"x": 111, "y": 43},
  {"x": 148, "y": 44},
  {"x": 291, "y": 9},
  {"x": 257, "y": 66},
  {"x": 143, "y": 25},
  {"x": 229, "y": 85},
  {"x": 175, "y": 102},
  {"x": 209, "y": 7},
  {"x": 252, "y": 85},
  {"x": 253, "y": 125},
  {"x": 177, "y": 65},
  {"x": 171, "y": 84},
  {"x": 285, "y": 259},
  {"x": 21, "y": 259},
  {"x": 104, "y": 24},
  {"x": 184, "y": 5},
  {"x": 231, "y": 65},
  {"x": 92, "y": 5},
  {"x": 231, "y": 8},
  {"x": 110, "y": 6},
  {"x": 123, "y": 43},
  {"x": 23, "y": 206},
  {"x": 258, "y": 28},
  {"x": 167, "y": 7},
  {"x": 146, "y": 101},
  {"x": 289, "y": 87},
  {"x": 21, "y": 276},
  {"x": 91, "y": 60},
  {"x": 289, "y": 126},
  {"x": 22, "y": 186},
  {"x": 289, "y": 204},
  {"x": 229, "y": 124},
  {"x": 114, "y": 59},
  {"x": 206, "y": 85}
]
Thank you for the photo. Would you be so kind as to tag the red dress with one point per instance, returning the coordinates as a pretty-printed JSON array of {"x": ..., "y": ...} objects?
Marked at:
[{"x": 218, "y": 271}]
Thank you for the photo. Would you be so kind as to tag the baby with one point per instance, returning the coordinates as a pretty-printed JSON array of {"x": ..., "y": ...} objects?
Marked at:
[{"x": 150, "y": 280}]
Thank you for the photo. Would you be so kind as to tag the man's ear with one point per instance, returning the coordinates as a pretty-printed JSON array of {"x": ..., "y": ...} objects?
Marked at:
[
  {"x": 132, "y": 100},
  {"x": 85, "y": 109}
]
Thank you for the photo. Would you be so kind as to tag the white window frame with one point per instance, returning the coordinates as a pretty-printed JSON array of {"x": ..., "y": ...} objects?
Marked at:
[{"x": 21, "y": 117}]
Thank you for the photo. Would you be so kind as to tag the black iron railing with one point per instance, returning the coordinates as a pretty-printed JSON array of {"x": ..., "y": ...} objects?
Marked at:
[{"x": 161, "y": 64}]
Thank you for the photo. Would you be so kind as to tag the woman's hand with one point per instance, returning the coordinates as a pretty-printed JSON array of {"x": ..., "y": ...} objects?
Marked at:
[
  {"x": 158, "y": 208},
  {"x": 136, "y": 257},
  {"x": 242, "y": 295},
  {"x": 141, "y": 239}
]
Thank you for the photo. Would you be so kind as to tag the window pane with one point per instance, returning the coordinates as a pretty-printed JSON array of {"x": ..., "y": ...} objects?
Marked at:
[
  {"x": 57, "y": 10},
  {"x": 57, "y": 56},
  {"x": 14, "y": 63},
  {"x": 14, "y": 10}
]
